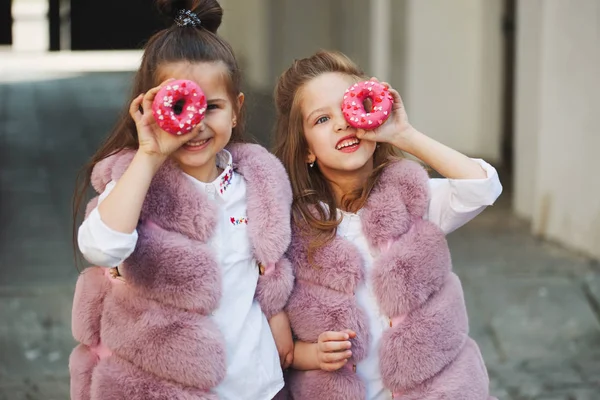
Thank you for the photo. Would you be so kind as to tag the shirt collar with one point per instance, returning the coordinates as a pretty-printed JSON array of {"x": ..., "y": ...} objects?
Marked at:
[{"x": 222, "y": 185}]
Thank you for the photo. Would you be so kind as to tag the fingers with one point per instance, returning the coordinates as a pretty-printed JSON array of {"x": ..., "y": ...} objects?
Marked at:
[
  {"x": 148, "y": 99},
  {"x": 334, "y": 346},
  {"x": 333, "y": 366},
  {"x": 331, "y": 336},
  {"x": 398, "y": 104},
  {"x": 336, "y": 356},
  {"x": 366, "y": 135},
  {"x": 350, "y": 333},
  {"x": 287, "y": 362},
  {"x": 386, "y": 84},
  {"x": 334, "y": 349},
  {"x": 134, "y": 108},
  {"x": 151, "y": 94}
]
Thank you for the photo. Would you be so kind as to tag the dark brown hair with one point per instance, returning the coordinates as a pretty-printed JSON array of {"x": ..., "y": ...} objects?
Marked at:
[
  {"x": 309, "y": 186},
  {"x": 175, "y": 44}
]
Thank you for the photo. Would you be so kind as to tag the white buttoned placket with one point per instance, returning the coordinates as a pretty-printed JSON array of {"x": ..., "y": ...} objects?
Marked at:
[
  {"x": 348, "y": 221},
  {"x": 226, "y": 191},
  {"x": 211, "y": 191},
  {"x": 351, "y": 229}
]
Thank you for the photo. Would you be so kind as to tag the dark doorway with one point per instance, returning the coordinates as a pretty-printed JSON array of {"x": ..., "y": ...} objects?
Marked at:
[
  {"x": 509, "y": 51},
  {"x": 112, "y": 24},
  {"x": 5, "y": 23},
  {"x": 54, "y": 24}
]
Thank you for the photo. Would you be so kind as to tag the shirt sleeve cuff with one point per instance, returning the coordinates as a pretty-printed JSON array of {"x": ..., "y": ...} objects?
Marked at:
[
  {"x": 102, "y": 245},
  {"x": 476, "y": 192}
]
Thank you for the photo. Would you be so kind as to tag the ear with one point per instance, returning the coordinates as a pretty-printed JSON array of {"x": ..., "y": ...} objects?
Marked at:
[
  {"x": 310, "y": 157},
  {"x": 240, "y": 100}
]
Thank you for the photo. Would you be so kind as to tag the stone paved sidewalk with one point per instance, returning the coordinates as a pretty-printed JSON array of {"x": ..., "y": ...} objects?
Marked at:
[{"x": 533, "y": 307}]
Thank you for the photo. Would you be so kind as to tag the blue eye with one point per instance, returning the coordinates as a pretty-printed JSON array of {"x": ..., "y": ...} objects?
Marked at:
[{"x": 322, "y": 120}]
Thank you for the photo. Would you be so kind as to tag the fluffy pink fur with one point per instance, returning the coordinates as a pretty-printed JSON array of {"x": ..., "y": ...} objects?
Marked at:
[
  {"x": 320, "y": 385},
  {"x": 179, "y": 209},
  {"x": 338, "y": 266},
  {"x": 315, "y": 309},
  {"x": 273, "y": 290},
  {"x": 92, "y": 286},
  {"x": 413, "y": 269},
  {"x": 81, "y": 364},
  {"x": 397, "y": 200},
  {"x": 116, "y": 379},
  {"x": 171, "y": 343},
  {"x": 427, "y": 354},
  {"x": 269, "y": 200},
  {"x": 428, "y": 340},
  {"x": 160, "y": 342},
  {"x": 174, "y": 270},
  {"x": 466, "y": 378}
]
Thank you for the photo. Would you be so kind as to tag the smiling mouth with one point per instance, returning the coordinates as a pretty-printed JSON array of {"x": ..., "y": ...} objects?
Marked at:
[
  {"x": 347, "y": 142},
  {"x": 196, "y": 143}
]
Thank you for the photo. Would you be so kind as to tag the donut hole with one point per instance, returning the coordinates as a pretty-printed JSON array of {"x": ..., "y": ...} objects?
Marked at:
[
  {"x": 178, "y": 106},
  {"x": 368, "y": 104}
]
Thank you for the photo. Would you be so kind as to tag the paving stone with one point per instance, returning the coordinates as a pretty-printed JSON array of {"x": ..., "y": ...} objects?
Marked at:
[
  {"x": 35, "y": 336},
  {"x": 531, "y": 316}
]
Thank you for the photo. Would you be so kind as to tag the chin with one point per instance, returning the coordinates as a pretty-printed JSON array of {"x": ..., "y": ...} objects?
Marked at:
[
  {"x": 357, "y": 163},
  {"x": 194, "y": 160}
]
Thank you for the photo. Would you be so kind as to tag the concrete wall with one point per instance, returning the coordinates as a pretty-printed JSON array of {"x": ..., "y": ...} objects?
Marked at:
[
  {"x": 527, "y": 103},
  {"x": 453, "y": 72},
  {"x": 561, "y": 134},
  {"x": 246, "y": 26},
  {"x": 445, "y": 57}
]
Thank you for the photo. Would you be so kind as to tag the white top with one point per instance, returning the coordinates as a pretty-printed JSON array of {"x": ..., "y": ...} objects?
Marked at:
[
  {"x": 453, "y": 203},
  {"x": 253, "y": 367}
]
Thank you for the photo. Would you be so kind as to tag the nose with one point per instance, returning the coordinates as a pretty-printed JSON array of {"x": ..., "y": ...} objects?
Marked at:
[{"x": 341, "y": 124}]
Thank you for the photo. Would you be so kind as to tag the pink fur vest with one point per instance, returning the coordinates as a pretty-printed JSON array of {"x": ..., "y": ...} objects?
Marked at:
[
  {"x": 146, "y": 334},
  {"x": 426, "y": 353}
]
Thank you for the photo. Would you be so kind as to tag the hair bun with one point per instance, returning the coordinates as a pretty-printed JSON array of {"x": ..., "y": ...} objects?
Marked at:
[{"x": 209, "y": 12}]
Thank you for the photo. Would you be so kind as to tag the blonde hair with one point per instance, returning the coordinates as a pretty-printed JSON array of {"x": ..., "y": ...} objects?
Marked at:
[{"x": 309, "y": 186}]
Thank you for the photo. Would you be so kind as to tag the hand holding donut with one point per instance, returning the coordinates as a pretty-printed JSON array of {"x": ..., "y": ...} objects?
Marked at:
[
  {"x": 395, "y": 128},
  {"x": 151, "y": 138}
]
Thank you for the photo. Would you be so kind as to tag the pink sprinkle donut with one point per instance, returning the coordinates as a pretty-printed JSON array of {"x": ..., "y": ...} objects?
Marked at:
[
  {"x": 179, "y": 106},
  {"x": 354, "y": 109}
]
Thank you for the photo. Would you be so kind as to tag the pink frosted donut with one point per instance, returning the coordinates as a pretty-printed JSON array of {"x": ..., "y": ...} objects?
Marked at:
[
  {"x": 354, "y": 109},
  {"x": 179, "y": 106}
]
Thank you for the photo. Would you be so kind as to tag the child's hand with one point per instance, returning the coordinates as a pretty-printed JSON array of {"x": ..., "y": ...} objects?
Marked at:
[
  {"x": 396, "y": 129},
  {"x": 153, "y": 140},
  {"x": 333, "y": 349},
  {"x": 282, "y": 333}
]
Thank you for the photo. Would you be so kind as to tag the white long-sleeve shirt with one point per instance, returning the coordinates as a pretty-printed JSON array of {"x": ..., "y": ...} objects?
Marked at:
[
  {"x": 454, "y": 202},
  {"x": 253, "y": 367}
]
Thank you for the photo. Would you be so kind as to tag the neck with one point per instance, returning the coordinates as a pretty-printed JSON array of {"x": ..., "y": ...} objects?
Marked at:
[
  {"x": 345, "y": 182},
  {"x": 205, "y": 173}
]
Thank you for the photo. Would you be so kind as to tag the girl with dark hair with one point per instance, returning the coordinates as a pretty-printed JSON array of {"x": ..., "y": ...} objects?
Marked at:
[{"x": 192, "y": 230}]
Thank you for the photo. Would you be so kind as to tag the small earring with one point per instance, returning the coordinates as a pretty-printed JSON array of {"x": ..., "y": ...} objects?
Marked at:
[{"x": 312, "y": 164}]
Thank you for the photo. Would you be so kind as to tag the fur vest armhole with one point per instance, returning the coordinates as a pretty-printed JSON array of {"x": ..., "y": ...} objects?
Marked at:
[
  {"x": 275, "y": 285},
  {"x": 93, "y": 203}
]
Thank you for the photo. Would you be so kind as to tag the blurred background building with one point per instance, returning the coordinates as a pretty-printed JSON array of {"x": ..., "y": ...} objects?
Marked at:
[{"x": 513, "y": 81}]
